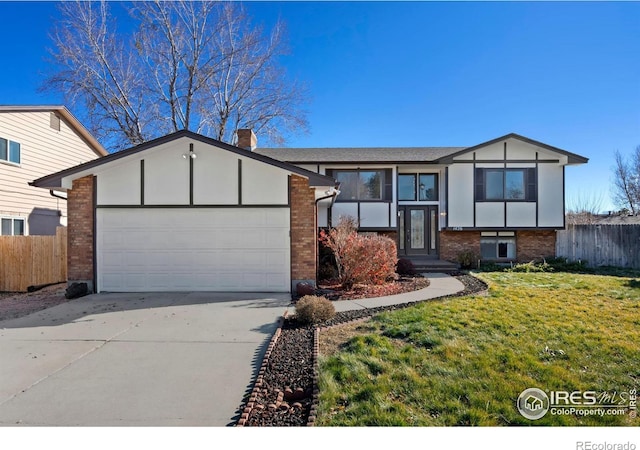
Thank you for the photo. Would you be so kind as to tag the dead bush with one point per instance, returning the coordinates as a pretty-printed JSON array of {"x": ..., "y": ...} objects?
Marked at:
[{"x": 311, "y": 309}]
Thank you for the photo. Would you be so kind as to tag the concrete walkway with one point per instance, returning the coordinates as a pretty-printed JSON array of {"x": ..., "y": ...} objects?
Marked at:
[
  {"x": 135, "y": 359},
  {"x": 440, "y": 285}
]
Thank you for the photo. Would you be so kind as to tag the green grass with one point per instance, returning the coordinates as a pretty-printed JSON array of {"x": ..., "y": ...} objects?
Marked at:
[{"x": 464, "y": 361}]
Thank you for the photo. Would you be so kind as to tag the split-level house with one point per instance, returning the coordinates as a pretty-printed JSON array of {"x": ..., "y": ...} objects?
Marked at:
[
  {"x": 186, "y": 212},
  {"x": 502, "y": 200},
  {"x": 35, "y": 141}
]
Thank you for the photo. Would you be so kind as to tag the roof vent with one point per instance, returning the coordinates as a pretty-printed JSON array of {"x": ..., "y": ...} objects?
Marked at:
[{"x": 247, "y": 139}]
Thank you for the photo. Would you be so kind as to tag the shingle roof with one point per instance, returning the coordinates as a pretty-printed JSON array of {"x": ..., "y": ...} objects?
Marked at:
[
  {"x": 359, "y": 155},
  {"x": 398, "y": 155}
]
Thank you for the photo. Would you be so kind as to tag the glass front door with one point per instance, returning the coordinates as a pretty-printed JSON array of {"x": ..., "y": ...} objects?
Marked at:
[{"x": 418, "y": 230}]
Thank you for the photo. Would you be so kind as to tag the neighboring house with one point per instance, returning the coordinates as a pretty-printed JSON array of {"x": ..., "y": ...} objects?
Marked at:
[
  {"x": 502, "y": 200},
  {"x": 188, "y": 213},
  {"x": 35, "y": 141}
]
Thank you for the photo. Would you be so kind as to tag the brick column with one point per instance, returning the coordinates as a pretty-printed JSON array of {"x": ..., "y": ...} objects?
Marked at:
[
  {"x": 80, "y": 205},
  {"x": 303, "y": 232}
]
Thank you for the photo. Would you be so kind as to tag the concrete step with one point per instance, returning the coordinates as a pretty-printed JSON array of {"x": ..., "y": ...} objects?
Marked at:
[{"x": 433, "y": 265}]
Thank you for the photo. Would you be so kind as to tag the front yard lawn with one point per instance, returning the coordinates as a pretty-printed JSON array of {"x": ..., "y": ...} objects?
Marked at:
[{"x": 465, "y": 361}]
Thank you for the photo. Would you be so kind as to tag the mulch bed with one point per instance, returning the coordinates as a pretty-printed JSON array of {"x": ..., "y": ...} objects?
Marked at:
[
  {"x": 286, "y": 397},
  {"x": 332, "y": 289}
]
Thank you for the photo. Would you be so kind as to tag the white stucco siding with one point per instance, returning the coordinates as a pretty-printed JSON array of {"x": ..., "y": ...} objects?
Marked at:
[
  {"x": 343, "y": 209},
  {"x": 374, "y": 215},
  {"x": 215, "y": 176},
  {"x": 493, "y": 151},
  {"x": 263, "y": 184},
  {"x": 460, "y": 208},
  {"x": 521, "y": 214},
  {"x": 550, "y": 195},
  {"x": 490, "y": 214},
  {"x": 166, "y": 174},
  {"x": 520, "y": 150},
  {"x": 323, "y": 215},
  {"x": 120, "y": 184}
]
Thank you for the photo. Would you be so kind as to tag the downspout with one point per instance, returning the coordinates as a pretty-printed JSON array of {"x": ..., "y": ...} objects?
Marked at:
[
  {"x": 53, "y": 194},
  {"x": 332, "y": 196}
]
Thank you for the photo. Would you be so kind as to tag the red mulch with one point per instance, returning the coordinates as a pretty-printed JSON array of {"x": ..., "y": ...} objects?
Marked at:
[{"x": 332, "y": 289}]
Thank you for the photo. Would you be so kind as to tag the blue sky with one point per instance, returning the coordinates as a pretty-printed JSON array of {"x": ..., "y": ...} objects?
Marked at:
[{"x": 431, "y": 73}]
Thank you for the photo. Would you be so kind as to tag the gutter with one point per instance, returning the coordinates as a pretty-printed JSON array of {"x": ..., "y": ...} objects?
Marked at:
[{"x": 53, "y": 194}]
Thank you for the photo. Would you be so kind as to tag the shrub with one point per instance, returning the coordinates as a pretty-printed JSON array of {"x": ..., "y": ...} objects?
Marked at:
[
  {"x": 467, "y": 259},
  {"x": 311, "y": 309},
  {"x": 405, "y": 267},
  {"x": 367, "y": 259},
  {"x": 531, "y": 267}
]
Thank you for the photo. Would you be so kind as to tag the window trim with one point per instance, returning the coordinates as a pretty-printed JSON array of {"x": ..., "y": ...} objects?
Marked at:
[
  {"x": 386, "y": 177},
  {"x": 530, "y": 177},
  {"x": 13, "y": 225}
]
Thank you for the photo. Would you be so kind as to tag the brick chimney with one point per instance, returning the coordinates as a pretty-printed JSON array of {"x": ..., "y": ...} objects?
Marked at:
[{"x": 247, "y": 139}]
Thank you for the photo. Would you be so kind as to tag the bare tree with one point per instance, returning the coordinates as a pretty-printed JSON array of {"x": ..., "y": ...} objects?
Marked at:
[
  {"x": 626, "y": 181},
  {"x": 583, "y": 208},
  {"x": 200, "y": 66},
  {"x": 98, "y": 72}
]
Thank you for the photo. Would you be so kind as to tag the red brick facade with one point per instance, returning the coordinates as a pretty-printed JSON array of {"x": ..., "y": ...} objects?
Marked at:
[
  {"x": 303, "y": 231},
  {"x": 452, "y": 243},
  {"x": 80, "y": 203},
  {"x": 530, "y": 245}
]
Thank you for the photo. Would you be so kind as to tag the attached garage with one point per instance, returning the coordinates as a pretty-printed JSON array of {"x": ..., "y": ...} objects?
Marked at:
[
  {"x": 213, "y": 249},
  {"x": 189, "y": 213}
]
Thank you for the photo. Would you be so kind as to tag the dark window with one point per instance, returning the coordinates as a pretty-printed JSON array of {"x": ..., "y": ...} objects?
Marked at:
[
  {"x": 363, "y": 185},
  {"x": 407, "y": 187},
  {"x": 14, "y": 152},
  {"x": 12, "y": 227},
  {"x": 423, "y": 187},
  {"x": 428, "y": 187},
  {"x": 505, "y": 184}
]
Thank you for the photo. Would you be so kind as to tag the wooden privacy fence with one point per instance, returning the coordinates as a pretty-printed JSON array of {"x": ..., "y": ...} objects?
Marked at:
[
  {"x": 32, "y": 260},
  {"x": 601, "y": 245}
]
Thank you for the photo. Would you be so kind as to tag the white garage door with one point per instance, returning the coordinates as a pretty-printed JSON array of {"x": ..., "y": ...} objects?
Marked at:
[{"x": 187, "y": 249}]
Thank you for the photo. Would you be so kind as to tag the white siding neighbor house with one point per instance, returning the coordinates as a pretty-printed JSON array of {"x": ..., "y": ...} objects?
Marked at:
[{"x": 35, "y": 141}]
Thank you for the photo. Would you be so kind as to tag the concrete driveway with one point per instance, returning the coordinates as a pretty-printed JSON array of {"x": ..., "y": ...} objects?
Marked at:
[{"x": 135, "y": 359}]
